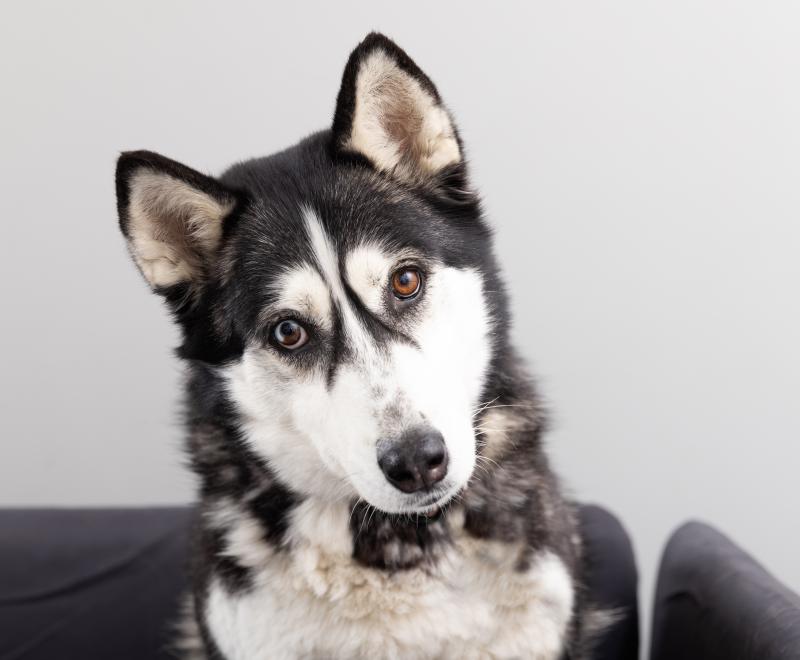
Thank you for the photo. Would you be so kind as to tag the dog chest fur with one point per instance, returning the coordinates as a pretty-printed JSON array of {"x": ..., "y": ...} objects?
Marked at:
[{"x": 315, "y": 601}]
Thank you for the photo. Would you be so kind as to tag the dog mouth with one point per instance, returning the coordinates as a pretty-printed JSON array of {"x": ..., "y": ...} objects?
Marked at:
[
  {"x": 432, "y": 506},
  {"x": 431, "y": 515}
]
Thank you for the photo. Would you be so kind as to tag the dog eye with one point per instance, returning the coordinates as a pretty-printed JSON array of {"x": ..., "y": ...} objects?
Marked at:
[
  {"x": 406, "y": 283},
  {"x": 290, "y": 334}
]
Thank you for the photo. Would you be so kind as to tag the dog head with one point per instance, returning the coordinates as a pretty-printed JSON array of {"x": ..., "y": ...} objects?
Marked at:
[{"x": 344, "y": 291}]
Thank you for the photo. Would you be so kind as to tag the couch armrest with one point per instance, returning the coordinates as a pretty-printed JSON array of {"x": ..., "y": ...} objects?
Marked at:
[{"x": 715, "y": 602}]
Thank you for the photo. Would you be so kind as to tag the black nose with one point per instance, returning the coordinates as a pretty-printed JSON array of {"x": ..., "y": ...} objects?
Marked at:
[{"x": 416, "y": 461}]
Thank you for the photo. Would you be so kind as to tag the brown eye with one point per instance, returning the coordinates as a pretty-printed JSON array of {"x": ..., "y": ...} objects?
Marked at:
[
  {"x": 290, "y": 334},
  {"x": 406, "y": 283}
]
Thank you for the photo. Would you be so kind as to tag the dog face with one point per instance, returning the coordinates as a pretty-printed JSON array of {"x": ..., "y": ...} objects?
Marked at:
[{"x": 343, "y": 292}]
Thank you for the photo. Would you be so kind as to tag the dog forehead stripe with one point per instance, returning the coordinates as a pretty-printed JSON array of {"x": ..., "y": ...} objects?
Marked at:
[
  {"x": 327, "y": 261},
  {"x": 324, "y": 253}
]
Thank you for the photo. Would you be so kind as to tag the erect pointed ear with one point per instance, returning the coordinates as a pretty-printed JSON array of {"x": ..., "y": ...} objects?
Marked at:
[
  {"x": 389, "y": 112},
  {"x": 171, "y": 216}
]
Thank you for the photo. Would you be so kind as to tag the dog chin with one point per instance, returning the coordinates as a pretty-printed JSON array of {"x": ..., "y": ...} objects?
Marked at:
[
  {"x": 427, "y": 505},
  {"x": 434, "y": 509}
]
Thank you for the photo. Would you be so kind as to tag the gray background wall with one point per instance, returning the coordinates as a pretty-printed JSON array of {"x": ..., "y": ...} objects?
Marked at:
[{"x": 641, "y": 164}]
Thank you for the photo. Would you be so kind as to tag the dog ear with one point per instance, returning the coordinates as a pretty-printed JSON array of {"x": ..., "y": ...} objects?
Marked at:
[
  {"x": 172, "y": 218},
  {"x": 389, "y": 112}
]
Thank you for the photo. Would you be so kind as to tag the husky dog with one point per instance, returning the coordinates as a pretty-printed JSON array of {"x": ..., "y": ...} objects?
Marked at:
[{"x": 368, "y": 448}]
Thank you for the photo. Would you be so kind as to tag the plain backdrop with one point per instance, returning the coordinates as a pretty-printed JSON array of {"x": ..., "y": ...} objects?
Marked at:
[{"x": 640, "y": 162}]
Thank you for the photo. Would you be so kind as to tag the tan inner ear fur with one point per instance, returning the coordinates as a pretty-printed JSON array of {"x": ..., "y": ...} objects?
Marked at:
[
  {"x": 172, "y": 225},
  {"x": 397, "y": 124}
]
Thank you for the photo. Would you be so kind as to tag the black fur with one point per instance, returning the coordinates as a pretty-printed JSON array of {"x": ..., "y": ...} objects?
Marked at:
[{"x": 393, "y": 542}]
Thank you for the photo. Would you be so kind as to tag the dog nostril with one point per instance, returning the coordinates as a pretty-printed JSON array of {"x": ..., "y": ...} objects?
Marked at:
[
  {"x": 401, "y": 475},
  {"x": 436, "y": 460}
]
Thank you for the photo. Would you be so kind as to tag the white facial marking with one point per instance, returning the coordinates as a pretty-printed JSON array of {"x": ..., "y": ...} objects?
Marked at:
[
  {"x": 368, "y": 269},
  {"x": 270, "y": 395},
  {"x": 302, "y": 289},
  {"x": 443, "y": 378},
  {"x": 321, "y": 434}
]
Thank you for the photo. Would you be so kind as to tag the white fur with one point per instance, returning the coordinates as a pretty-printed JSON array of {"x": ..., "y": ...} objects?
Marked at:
[
  {"x": 263, "y": 387},
  {"x": 313, "y": 601},
  {"x": 443, "y": 378},
  {"x": 303, "y": 289},
  {"x": 368, "y": 269},
  {"x": 244, "y": 535}
]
